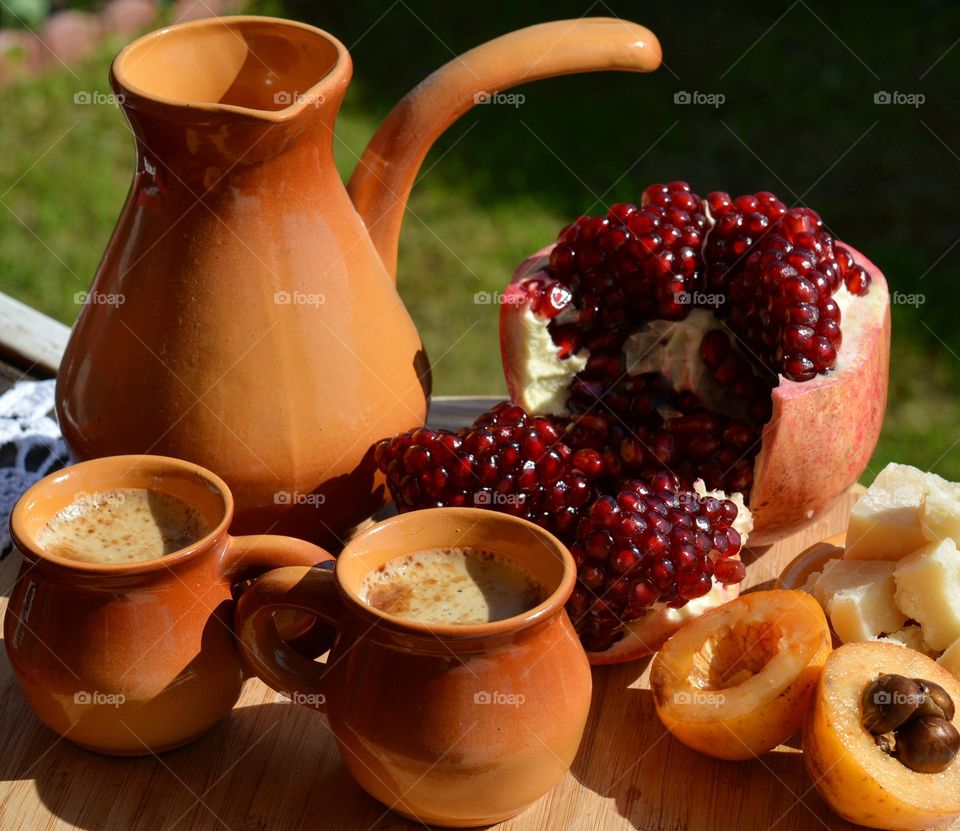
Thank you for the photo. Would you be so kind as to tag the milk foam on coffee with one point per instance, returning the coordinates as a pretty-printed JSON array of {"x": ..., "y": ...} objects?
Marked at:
[
  {"x": 452, "y": 586},
  {"x": 124, "y": 525}
]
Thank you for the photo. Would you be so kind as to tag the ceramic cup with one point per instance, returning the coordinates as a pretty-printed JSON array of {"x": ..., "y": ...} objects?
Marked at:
[
  {"x": 139, "y": 657},
  {"x": 456, "y": 725}
]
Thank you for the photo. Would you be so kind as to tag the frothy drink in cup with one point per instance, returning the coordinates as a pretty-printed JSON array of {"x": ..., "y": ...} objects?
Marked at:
[
  {"x": 452, "y": 586},
  {"x": 124, "y": 525}
]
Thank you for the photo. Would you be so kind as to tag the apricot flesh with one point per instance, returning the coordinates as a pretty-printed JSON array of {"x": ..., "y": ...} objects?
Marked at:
[
  {"x": 735, "y": 682},
  {"x": 859, "y": 781}
]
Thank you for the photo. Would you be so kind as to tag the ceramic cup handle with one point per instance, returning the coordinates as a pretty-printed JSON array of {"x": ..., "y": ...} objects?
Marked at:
[
  {"x": 275, "y": 662},
  {"x": 246, "y": 558}
]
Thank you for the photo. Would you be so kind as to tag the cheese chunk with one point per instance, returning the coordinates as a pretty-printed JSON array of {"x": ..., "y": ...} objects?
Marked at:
[
  {"x": 858, "y": 596},
  {"x": 841, "y": 574},
  {"x": 940, "y": 511},
  {"x": 911, "y": 637},
  {"x": 950, "y": 660},
  {"x": 928, "y": 590},
  {"x": 885, "y": 522}
]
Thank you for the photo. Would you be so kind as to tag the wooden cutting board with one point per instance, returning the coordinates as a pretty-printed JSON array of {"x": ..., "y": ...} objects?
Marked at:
[{"x": 273, "y": 765}]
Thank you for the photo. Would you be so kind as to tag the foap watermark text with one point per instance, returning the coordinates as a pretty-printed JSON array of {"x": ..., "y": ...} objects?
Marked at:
[
  {"x": 298, "y": 298},
  {"x": 708, "y": 300},
  {"x": 286, "y": 99},
  {"x": 99, "y": 298},
  {"x": 497, "y": 298},
  {"x": 95, "y": 697},
  {"x": 509, "y": 99},
  {"x": 485, "y": 497},
  {"x": 699, "y": 99},
  {"x": 305, "y": 699},
  {"x": 899, "y": 298},
  {"x": 900, "y": 99},
  {"x": 95, "y": 96},
  {"x": 499, "y": 699},
  {"x": 298, "y": 498},
  {"x": 699, "y": 698}
]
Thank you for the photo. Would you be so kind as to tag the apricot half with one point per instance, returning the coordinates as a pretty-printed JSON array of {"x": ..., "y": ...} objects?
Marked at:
[
  {"x": 859, "y": 780},
  {"x": 735, "y": 682}
]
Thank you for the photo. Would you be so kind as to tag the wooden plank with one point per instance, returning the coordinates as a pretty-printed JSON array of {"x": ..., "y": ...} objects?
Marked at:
[
  {"x": 274, "y": 765},
  {"x": 10, "y": 374},
  {"x": 451, "y": 412},
  {"x": 29, "y": 339}
]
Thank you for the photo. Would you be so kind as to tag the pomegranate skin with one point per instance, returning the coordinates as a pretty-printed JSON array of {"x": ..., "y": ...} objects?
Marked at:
[
  {"x": 822, "y": 432},
  {"x": 645, "y": 637}
]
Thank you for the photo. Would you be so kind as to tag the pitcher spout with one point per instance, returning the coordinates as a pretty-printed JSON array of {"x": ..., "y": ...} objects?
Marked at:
[{"x": 231, "y": 91}]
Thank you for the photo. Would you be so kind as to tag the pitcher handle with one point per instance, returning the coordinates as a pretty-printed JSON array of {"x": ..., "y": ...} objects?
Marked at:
[
  {"x": 277, "y": 663},
  {"x": 384, "y": 176}
]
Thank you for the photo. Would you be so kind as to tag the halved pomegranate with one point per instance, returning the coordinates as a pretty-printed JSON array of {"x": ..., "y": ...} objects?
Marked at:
[
  {"x": 729, "y": 339},
  {"x": 649, "y": 557},
  {"x": 669, "y": 364}
]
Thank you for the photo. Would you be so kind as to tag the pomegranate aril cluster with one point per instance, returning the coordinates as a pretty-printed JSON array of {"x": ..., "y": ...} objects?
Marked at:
[
  {"x": 781, "y": 303},
  {"x": 738, "y": 225},
  {"x": 733, "y": 371},
  {"x": 772, "y": 270},
  {"x": 634, "y": 264},
  {"x": 653, "y": 543},
  {"x": 507, "y": 461},
  {"x": 631, "y": 437}
]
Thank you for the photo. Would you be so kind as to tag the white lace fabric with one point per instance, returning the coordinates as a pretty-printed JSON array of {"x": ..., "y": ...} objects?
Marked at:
[{"x": 30, "y": 445}]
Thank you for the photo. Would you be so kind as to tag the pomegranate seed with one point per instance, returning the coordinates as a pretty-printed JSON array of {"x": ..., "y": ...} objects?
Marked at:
[
  {"x": 642, "y": 594},
  {"x": 714, "y": 348},
  {"x": 730, "y": 571},
  {"x": 624, "y": 560},
  {"x": 692, "y": 584},
  {"x": 799, "y": 368},
  {"x": 857, "y": 280}
]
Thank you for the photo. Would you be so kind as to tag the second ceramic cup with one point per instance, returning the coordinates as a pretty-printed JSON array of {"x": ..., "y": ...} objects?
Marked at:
[
  {"x": 456, "y": 725},
  {"x": 137, "y": 657}
]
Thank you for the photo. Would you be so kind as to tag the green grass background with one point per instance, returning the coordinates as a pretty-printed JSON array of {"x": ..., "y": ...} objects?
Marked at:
[{"x": 799, "y": 119}]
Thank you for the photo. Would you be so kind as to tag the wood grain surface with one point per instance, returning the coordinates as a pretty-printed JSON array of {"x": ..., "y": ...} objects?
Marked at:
[
  {"x": 29, "y": 339},
  {"x": 273, "y": 765}
]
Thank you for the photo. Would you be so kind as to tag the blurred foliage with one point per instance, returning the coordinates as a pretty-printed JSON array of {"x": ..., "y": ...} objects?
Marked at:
[
  {"x": 23, "y": 13},
  {"x": 799, "y": 118},
  {"x": 30, "y": 14}
]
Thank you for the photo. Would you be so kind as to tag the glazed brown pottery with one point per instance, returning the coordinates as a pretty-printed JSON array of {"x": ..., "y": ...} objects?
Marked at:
[
  {"x": 457, "y": 725},
  {"x": 140, "y": 657},
  {"x": 798, "y": 571},
  {"x": 245, "y": 316}
]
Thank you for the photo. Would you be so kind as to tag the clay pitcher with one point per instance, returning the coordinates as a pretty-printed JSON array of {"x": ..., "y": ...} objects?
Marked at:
[{"x": 245, "y": 315}]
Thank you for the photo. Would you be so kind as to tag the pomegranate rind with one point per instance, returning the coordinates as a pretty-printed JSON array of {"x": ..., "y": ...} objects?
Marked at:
[
  {"x": 518, "y": 326},
  {"x": 858, "y": 780},
  {"x": 645, "y": 636},
  {"x": 822, "y": 432},
  {"x": 789, "y": 638}
]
